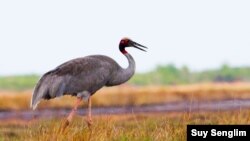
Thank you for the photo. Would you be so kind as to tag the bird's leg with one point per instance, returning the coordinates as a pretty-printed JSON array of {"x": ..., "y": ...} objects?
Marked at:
[
  {"x": 89, "y": 119},
  {"x": 72, "y": 113}
]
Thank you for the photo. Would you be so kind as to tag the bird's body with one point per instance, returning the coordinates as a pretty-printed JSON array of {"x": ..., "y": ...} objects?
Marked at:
[
  {"x": 82, "y": 77},
  {"x": 86, "y": 74}
]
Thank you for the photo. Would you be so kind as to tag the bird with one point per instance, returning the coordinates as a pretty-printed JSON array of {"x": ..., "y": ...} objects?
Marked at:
[{"x": 82, "y": 77}]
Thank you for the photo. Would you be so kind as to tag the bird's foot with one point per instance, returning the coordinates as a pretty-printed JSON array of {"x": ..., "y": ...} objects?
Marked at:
[
  {"x": 89, "y": 122},
  {"x": 64, "y": 125}
]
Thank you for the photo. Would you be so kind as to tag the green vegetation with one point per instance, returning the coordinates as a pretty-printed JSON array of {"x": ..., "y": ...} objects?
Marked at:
[
  {"x": 20, "y": 82},
  {"x": 162, "y": 75},
  {"x": 172, "y": 75}
]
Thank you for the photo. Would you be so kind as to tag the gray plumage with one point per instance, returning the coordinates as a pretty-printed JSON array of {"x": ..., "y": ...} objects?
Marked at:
[
  {"x": 87, "y": 74},
  {"x": 82, "y": 77}
]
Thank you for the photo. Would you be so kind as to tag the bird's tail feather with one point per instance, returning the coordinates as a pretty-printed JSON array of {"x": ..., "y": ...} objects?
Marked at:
[
  {"x": 48, "y": 87},
  {"x": 35, "y": 98},
  {"x": 38, "y": 93}
]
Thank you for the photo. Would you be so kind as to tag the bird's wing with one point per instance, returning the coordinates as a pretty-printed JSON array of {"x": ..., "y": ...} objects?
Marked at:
[
  {"x": 52, "y": 84},
  {"x": 84, "y": 64}
]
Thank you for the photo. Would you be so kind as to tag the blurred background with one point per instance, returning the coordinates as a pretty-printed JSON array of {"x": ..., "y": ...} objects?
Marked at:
[{"x": 198, "y": 54}]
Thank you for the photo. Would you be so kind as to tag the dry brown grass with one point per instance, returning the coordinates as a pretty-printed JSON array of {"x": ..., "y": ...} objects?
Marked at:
[
  {"x": 131, "y": 95},
  {"x": 136, "y": 127},
  {"x": 132, "y": 127}
]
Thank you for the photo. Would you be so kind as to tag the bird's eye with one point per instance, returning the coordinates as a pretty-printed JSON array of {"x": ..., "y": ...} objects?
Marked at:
[{"x": 123, "y": 42}]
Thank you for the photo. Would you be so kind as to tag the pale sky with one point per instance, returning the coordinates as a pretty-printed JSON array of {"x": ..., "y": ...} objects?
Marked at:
[{"x": 37, "y": 36}]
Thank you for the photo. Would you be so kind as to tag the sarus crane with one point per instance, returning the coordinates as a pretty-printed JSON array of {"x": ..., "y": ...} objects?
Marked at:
[{"x": 82, "y": 77}]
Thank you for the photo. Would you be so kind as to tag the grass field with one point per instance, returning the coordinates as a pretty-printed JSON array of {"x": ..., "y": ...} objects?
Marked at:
[
  {"x": 125, "y": 127},
  {"x": 131, "y": 95},
  {"x": 132, "y": 127}
]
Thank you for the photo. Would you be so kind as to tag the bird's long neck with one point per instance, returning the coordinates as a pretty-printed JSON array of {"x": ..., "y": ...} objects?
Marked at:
[
  {"x": 130, "y": 70},
  {"x": 122, "y": 75}
]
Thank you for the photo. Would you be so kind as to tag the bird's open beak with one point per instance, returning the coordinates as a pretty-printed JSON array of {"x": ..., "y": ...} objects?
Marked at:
[{"x": 139, "y": 46}]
